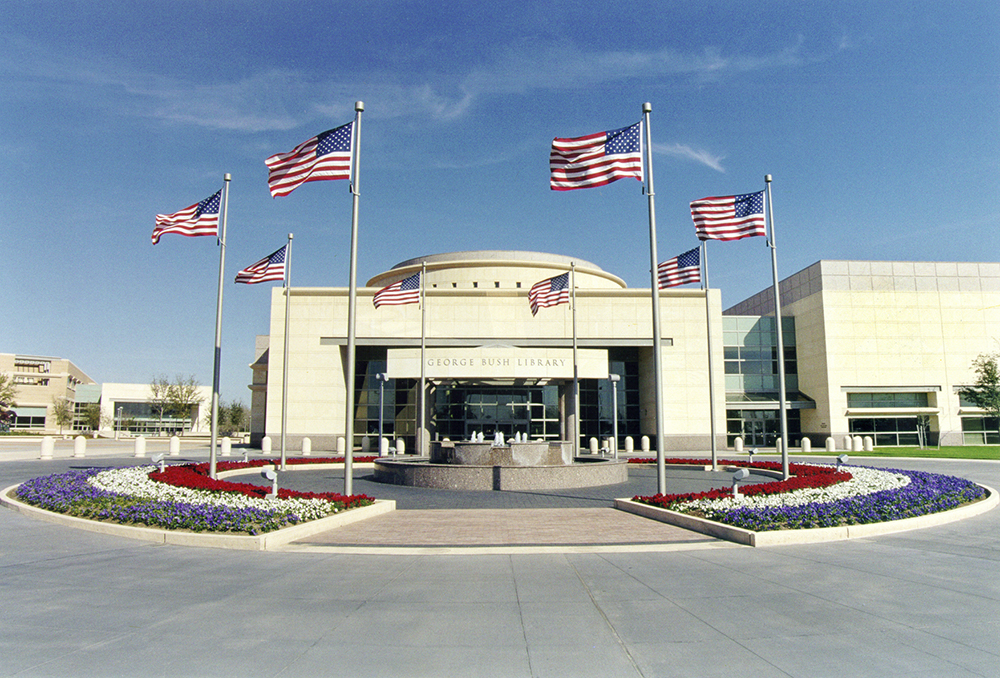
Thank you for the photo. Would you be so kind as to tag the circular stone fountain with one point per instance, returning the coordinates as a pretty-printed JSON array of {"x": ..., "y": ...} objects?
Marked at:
[{"x": 529, "y": 465}]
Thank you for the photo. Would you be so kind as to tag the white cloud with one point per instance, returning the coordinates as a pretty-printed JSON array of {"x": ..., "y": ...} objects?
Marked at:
[{"x": 684, "y": 151}]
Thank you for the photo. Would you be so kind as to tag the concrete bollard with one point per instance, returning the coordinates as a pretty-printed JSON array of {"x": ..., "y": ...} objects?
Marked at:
[
  {"x": 807, "y": 446},
  {"x": 140, "y": 446},
  {"x": 383, "y": 447},
  {"x": 738, "y": 445},
  {"x": 79, "y": 447},
  {"x": 400, "y": 446},
  {"x": 307, "y": 447},
  {"x": 175, "y": 446},
  {"x": 227, "y": 446},
  {"x": 644, "y": 442},
  {"x": 856, "y": 444},
  {"x": 48, "y": 447},
  {"x": 847, "y": 442},
  {"x": 868, "y": 444},
  {"x": 629, "y": 445},
  {"x": 594, "y": 446},
  {"x": 366, "y": 445},
  {"x": 341, "y": 446},
  {"x": 831, "y": 444},
  {"x": 265, "y": 445}
]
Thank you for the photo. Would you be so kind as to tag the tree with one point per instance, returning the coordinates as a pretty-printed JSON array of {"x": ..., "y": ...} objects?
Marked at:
[
  {"x": 6, "y": 400},
  {"x": 237, "y": 415},
  {"x": 62, "y": 409},
  {"x": 182, "y": 395},
  {"x": 92, "y": 416},
  {"x": 159, "y": 397},
  {"x": 985, "y": 392}
]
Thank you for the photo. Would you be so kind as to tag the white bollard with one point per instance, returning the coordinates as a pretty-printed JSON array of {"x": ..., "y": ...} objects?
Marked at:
[
  {"x": 140, "y": 446},
  {"x": 629, "y": 445},
  {"x": 307, "y": 447},
  {"x": 227, "y": 446},
  {"x": 868, "y": 444},
  {"x": 738, "y": 445},
  {"x": 383, "y": 447},
  {"x": 341, "y": 446},
  {"x": 847, "y": 442},
  {"x": 807, "y": 446},
  {"x": 778, "y": 446},
  {"x": 594, "y": 446},
  {"x": 366, "y": 444},
  {"x": 831, "y": 444},
  {"x": 400, "y": 446},
  {"x": 175, "y": 446},
  {"x": 265, "y": 445},
  {"x": 856, "y": 444},
  {"x": 48, "y": 447},
  {"x": 79, "y": 447},
  {"x": 644, "y": 442}
]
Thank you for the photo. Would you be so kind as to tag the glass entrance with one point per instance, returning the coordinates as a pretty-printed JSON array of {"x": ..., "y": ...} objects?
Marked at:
[{"x": 463, "y": 409}]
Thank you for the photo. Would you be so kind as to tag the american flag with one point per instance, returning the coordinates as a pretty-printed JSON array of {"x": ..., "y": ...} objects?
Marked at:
[
  {"x": 682, "y": 269},
  {"x": 199, "y": 219},
  {"x": 271, "y": 267},
  {"x": 730, "y": 217},
  {"x": 596, "y": 159},
  {"x": 325, "y": 157},
  {"x": 549, "y": 292},
  {"x": 406, "y": 291}
]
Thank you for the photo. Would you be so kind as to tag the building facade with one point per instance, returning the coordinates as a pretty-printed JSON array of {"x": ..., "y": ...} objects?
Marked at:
[
  {"x": 871, "y": 348},
  {"x": 41, "y": 383}
]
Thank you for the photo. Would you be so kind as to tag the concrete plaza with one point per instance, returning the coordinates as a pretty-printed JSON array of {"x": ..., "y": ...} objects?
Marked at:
[{"x": 921, "y": 603}]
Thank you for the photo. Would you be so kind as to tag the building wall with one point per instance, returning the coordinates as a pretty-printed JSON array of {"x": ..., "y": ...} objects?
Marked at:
[
  {"x": 467, "y": 315},
  {"x": 39, "y": 380},
  {"x": 888, "y": 327}
]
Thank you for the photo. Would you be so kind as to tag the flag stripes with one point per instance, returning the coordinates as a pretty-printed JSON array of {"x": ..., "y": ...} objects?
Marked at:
[
  {"x": 406, "y": 291},
  {"x": 202, "y": 218},
  {"x": 682, "y": 269},
  {"x": 549, "y": 292},
  {"x": 729, "y": 217},
  {"x": 596, "y": 159},
  {"x": 325, "y": 157}
]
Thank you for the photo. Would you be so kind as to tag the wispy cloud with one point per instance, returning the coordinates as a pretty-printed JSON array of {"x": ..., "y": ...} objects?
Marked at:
[
  {"x": 685, "y": 151},
  {"x": 282, "y": 99}
]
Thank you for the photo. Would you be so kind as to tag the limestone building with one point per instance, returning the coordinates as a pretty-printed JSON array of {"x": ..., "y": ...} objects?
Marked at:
[{"x": 871, "y": 348}]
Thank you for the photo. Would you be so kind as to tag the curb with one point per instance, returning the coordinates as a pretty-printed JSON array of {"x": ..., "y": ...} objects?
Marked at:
[
  {"x": 263, "y": 542},
  {"x": 814, "y": 535}
]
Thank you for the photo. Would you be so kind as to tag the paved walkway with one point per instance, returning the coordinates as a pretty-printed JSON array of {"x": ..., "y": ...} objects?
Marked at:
[{"x": 923, "y": 603}]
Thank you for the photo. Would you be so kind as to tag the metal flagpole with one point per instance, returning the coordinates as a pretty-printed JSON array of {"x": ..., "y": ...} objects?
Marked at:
[
  {"x": 218, "y": 326},
  {"x": 576, "y": 371},
  {"x": 661, "y": 472},
  {"x": 423, "y": 362},
  {"x": 711, "y": 370},
  {"x": 359, "y": 106},
  {"x": 781, "y": 341},
  {"x": 284, "y": 360}
]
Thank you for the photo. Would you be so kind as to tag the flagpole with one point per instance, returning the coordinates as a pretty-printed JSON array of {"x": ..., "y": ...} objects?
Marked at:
[
  {"x": 661, "y": 473},
  {"x": 359, "y": 106},
  {"x": 226, "y": 178},
  {"x": 284, "y": 360},
  {"x": 423, "y": 362},
  {"x": 783, "y": 415},
  {"x": 711, "y": 370},
  {"x": 576, "y": 371}
]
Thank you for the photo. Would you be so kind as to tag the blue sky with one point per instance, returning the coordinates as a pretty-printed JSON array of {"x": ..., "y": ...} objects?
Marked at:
[{"x": 880, "y": 123}]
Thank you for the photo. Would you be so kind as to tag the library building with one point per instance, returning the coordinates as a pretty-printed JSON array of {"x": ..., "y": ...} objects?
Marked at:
[{"x": 871, "y": 348}]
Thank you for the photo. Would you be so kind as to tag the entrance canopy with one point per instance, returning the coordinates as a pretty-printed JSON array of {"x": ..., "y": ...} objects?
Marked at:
[{"x": 497, "y": 362}]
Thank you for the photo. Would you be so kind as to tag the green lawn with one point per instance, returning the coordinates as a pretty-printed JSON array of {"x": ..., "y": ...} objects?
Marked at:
[{"x": 956, "y": 452}]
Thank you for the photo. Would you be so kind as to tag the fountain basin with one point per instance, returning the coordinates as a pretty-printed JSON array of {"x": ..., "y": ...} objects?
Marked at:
[{"x": 530, "y": 453}]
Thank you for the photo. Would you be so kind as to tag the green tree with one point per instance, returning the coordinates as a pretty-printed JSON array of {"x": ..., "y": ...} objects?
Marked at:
[
  {"x": 92, "y": 416},
  {"x": 237, "y": 415},
  {"x": 985, "y": 392},
  {"x": 62, "y": 410}
]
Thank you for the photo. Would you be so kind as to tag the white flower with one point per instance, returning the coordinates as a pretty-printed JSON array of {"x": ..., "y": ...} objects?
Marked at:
[
  {"x": 864, "y": 481},
  {"x": 134, "y": 481}
]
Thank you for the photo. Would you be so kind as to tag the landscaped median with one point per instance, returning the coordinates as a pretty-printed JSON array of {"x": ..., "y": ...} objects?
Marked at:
[
  {"x": 817, "y": 503},
  {"x": 183, "y": 505}
]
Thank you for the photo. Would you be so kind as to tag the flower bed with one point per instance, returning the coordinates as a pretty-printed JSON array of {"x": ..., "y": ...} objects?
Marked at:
[
  {"x": 821, "y": 496},
  {"x": 129, "y": 496}
]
